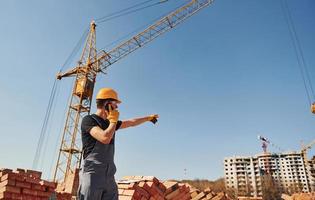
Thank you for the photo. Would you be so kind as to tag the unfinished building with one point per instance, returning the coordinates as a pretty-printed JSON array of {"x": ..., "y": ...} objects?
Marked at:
[{"x": 289, "y": 173}]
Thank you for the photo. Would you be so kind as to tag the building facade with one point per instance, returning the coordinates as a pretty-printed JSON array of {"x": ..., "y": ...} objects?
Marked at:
[{"x": 288, "y": 171}]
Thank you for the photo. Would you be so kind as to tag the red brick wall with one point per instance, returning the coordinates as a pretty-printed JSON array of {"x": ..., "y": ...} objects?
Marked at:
[{"x": 24, "y": 184}]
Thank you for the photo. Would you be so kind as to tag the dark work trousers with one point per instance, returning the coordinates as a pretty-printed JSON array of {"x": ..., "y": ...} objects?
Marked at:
[{"x": 97, "y": 181}]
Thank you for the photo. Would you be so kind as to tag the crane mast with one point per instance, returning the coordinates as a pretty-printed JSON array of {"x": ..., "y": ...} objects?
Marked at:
[
  {"x": 89, "y": 65},
  {"x": 70, "y": 152}
]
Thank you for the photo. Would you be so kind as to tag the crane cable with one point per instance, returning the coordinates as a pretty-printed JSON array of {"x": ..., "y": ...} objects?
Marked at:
[
  {"x": 128, "y": 10},
  {"x": 44, "y": 126},
  {"x": 298, "y": 52},
  {"x": 40, "y": 153},
  {"x": 139, "y": 29},
  {"x": 75, "y": 49},
  {"x": 58, "y": 139},
  {"x": 123, "y": 10}
]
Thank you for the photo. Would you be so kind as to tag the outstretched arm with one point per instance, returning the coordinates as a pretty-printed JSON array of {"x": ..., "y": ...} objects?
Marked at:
[{"x": 137, "y": 121}]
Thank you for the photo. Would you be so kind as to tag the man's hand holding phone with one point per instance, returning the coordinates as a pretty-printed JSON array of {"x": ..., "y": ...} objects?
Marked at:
[{"x": 113, "y": 114}]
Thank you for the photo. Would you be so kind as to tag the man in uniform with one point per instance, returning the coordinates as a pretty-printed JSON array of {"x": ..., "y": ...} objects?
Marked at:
[{"x": 97, "y": 181}]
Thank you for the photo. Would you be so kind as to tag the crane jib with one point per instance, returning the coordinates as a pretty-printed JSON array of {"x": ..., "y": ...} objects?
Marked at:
[{"x": 105, "y": 59}]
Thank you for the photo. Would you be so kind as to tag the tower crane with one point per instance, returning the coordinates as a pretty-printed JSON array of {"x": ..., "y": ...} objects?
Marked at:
[
  {"x": 265, "y": 142},
  {"x": 305, "y": 159},
  {"x": 306, "y": 148},
  {"x": 93, "y": 61}
]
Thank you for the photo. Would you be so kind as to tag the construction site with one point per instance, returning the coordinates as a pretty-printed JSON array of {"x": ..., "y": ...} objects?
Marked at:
[{"x": 201, "y": 79}]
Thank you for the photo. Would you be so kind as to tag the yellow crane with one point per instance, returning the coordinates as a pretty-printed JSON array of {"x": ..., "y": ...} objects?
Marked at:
[{"x": 90, "y": 64}]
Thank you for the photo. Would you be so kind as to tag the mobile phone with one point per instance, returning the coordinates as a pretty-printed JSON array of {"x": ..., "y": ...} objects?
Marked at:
[{"x": 108, "y": 107}]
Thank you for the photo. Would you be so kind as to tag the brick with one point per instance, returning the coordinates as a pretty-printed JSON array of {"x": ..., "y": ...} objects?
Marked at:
[
  {"x": 170, "y": 186},
  {"x": 209, "y": 196},
  {"x": 5, "y": 170},
  {"x": 129, "y": 192},
  {"x": 120, "y": 191},
  {"x": 12, "y": 176},
  {"x": 186, "y": 197},
  {"x": 7, "y": 182},
  {"x": 30, "y": 197},
  {"x": 32, "y": 180},
  {"x": 43, "y": 194},
  {"x": 157, "y": 190},
  {"x": 34, "y": 174},
  {"x": 199, "y": 196},
  {"x": 17, "y": 196},
  {"x": 182, "y": 189},
  {"x": 158, "y": 197},
  {"x": 179, "y": 196},
  {"x": 23, "y": 184},
  {"x": 146, "y": 187},
  {"x": 29, "y": 192},
  {"x": 172, "y": 194},
  {"x": 128, "y": 177},
  {"x": 38, "y": 187},
  {"x": 20, "y": 170},
  {"x": 48, "y": 183},
  {"x": 11, "y": 189},
  {"x": 7, "y": 177},
  {"x": 162, "y": 187},
  {"x": 137, "y": 178},
  {"x": 151, "y": 178},
  {"x": 5, "y": 195},
  {"x": 126, "y": 186},
  {"x": 193, "y": 194},
  {"x": 142, "y": 191},
  {"x": 125, "y": 198}
]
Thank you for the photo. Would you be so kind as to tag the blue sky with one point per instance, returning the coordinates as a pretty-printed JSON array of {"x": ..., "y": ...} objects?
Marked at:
[{"x": 218, "y": 80}]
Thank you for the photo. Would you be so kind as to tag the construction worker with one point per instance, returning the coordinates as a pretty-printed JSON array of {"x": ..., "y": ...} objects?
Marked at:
[{"x": 97, "y": 181}]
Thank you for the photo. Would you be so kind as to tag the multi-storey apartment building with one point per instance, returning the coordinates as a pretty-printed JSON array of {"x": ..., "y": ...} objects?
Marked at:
[
  {"x": 311, "y": 172},
  {"x": 288, "y": 171}
]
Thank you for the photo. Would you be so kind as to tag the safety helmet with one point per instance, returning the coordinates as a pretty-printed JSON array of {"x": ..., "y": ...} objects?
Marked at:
[{"x": 107, "y": 93}]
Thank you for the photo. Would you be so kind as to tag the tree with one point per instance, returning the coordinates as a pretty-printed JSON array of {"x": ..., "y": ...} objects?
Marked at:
[{"x": 270, "y": 190}]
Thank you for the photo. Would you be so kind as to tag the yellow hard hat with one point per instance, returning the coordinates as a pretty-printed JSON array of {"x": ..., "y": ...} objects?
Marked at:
[{"x": 107, "y": 93}]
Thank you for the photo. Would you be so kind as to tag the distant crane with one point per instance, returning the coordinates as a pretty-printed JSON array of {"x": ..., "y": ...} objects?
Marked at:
[
  {"x": 265, "y": 142},
  {"x": 92, "y": 62},
  {"x": 306, "y": 148},
  {"x": 304, "y": 156}
]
